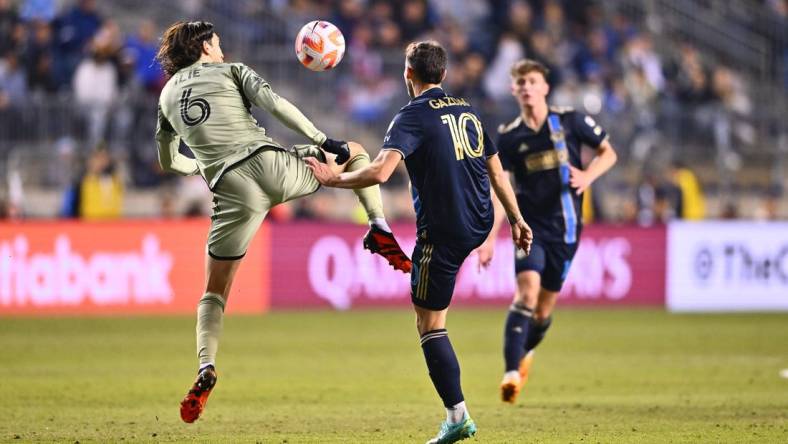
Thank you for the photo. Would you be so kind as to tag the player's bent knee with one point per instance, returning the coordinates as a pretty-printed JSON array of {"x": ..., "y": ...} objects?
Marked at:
[
  {"x": 356, "y": 149},
  {"x": 542, "y": 314}
]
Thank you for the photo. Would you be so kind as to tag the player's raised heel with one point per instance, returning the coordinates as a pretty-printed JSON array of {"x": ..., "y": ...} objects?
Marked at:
[
  {"x": 194, "y": 402},
  {"x": 450, "y": 433},
  {"x": 383, "y": 243},
  {"x": 510, "y": 388}
]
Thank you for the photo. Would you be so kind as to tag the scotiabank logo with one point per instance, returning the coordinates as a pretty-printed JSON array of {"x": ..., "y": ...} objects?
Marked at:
[
  {"x": 123, "y": 267},
  {"x": 63, "y": 276}
]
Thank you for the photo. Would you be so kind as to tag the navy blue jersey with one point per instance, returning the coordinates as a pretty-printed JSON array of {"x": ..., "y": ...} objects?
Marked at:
[
  {"x": 445, "y": 149},
  {"x": 541, "y": 168}
]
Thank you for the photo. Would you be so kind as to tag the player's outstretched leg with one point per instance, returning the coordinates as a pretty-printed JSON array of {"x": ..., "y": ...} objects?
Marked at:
[
  {"x": 444, "y": 372},
  {"x": 379, "y": 239},
  {"x": 210, "y": 315}
]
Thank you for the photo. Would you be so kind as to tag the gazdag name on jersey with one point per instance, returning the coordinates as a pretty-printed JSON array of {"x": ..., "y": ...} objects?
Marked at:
[{"x": 445, "y": 149}]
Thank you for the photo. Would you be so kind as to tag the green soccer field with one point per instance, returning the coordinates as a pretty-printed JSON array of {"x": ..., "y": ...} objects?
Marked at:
[{"x": 601, "y": 376}]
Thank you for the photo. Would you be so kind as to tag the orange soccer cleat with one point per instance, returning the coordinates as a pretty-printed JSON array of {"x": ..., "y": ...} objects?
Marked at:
[
  {"x": 383, "y": 243},
  {"x": 194, "y": 402},
  {"x": 511, "y": 386}
]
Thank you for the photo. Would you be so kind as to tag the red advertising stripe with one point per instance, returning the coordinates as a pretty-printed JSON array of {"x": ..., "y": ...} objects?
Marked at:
[{"x": 118, "y": 268}]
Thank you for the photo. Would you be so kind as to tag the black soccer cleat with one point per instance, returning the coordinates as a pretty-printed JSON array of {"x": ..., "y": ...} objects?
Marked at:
[
  {"x": 338, "y": 147},
  {"x": 383, "y": 243}
]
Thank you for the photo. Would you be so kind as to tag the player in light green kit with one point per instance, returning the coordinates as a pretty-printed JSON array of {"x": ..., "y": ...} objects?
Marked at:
[{"x": 206, "y": 103}]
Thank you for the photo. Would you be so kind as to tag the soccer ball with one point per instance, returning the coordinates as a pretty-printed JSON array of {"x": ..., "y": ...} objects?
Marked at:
[{"x": 320, "y": 45}]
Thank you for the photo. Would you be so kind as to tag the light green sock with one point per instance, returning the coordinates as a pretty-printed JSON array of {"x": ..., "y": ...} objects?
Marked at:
[
  {"x": 210, "y": 313},
  {"x": 369, "y": 196}
]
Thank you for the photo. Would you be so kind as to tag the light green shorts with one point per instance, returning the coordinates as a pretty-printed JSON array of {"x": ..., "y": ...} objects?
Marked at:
[{"x": 249, "y": 189}]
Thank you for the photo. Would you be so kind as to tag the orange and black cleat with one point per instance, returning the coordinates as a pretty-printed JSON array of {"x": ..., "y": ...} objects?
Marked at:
[
  {"x": 194, "y": 402},
  {"x": 383, "y": 243}
]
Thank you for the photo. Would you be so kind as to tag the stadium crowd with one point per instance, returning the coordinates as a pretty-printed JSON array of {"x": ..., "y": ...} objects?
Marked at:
[{"x": 655, "y": 103}]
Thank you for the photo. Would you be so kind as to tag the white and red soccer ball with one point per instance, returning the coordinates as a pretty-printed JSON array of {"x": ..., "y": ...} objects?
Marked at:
[{"x": 320, "y": 45}]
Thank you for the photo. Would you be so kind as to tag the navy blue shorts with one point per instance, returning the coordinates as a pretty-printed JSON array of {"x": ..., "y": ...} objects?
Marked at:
[
  {"x": 434, "y": 272},
  {"x": 550, "y": 259}
]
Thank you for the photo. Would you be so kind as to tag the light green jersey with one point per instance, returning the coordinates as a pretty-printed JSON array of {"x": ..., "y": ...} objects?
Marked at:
[{"x": 208, "y": 106}]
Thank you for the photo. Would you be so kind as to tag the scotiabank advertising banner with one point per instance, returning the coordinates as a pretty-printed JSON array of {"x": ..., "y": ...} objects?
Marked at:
[
  {"x": 118, "y": 267},
  {"x": 320, "y": 265},
  {"x": 727, "y": 266}
]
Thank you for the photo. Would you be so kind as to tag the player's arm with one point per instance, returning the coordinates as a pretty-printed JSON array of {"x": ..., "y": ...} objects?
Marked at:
[
  {"x": 521, "y": 232},
  {"x": 377, "y": 172},
  {"x": 592, "y": 134},
  {"x": 487, "y": 249},
  {"x": 167, "y": 142},
  {"x": 604, "y": 160},
  {"x": 259, "y": 92}
]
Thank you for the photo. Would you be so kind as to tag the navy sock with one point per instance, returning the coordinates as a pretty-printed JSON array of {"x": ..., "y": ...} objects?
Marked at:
[
  {"x": 443, "y": 366},
  {"x": 515, "y": 335},
  {"x": 537, "y": 333}
]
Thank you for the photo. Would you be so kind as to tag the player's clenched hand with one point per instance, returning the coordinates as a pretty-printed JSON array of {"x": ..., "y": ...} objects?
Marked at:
[
  {"x": 579, "y": 179},
  {"x": 322, "y": 172},
  {"x": 485, "y": 252},
  {"x": 522, "y": 236}
]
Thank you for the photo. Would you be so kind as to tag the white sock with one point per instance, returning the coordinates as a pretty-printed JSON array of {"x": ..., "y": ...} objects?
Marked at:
[
  {"x": 202, "y": 366},
  {"x": 380, "y": 223},
  {"x": 457, "y": 413},
  {"x": 512, "y": 374}
]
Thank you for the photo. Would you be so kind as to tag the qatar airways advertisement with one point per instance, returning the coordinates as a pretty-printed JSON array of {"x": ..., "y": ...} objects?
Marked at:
[{"x": 317, "y": 265}]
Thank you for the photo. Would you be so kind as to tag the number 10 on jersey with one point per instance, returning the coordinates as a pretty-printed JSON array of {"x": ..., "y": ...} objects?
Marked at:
[{"x": 458, "y": 127}]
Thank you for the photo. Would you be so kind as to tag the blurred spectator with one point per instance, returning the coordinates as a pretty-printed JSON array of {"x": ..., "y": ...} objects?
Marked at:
[
  {"x": 74, "y": 30},
  {"x": 96, "y": 88},
  {"x": 496, "y": 78},
  {"x": 40, "y": 59},
  {"x": 645, "y": 199},
  {"x": 39, "y": 10},
  {"x": 101, "y": 193},
  {"x": 347, "y": 16},
  {"x": 140, "y": 50},
  {"x": 415, "y": 19},
  {"x": 693, "y": 203},
  {"x": 769, "y": 207},
  {"x": 13, "y": 82},
  {"x": 11, "y": 29}
]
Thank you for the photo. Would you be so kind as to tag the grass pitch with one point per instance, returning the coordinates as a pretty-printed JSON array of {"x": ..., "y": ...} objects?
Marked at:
[{"x": 640, "y": 376}]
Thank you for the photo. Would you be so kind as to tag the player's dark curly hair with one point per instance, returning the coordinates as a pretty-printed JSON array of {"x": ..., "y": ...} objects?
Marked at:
[
  {"x": 181, "y": 45},
  {"x": 428, "y": 60}
]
